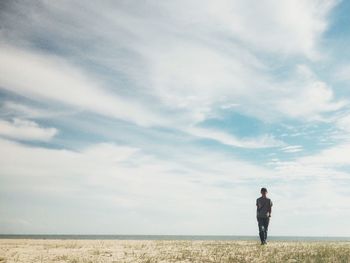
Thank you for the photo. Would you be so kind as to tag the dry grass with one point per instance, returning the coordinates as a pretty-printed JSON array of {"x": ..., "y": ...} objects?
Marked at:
[{"x": 91, "y": 251}]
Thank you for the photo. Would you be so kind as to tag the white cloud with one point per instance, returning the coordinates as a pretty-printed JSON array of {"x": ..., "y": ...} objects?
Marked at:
[
  {"x": 292, "y": 148},
  {"x": 132, "y": 182},
  {"x": 26, "y": 130},
  {"x": 11, "y": 107},
  {"x": 290, "y": 27},
  {"x": 343, "y": 123},
  {"x": 330, "y": 163},
  {"x": 66, "y": 83},
  {"x": 22, "y": 110},
  {"x": 333, "y": 157},
  {"x": 197, "y": 193},
  {"x": 314, "y": 98},
  {"x": 199, "y": 81},
  {"x": 265, "y": 141},
  {"x": 189, "y": 57},
  {"x": 51, "y": 78},
  {"x": 311, "y": 204}
]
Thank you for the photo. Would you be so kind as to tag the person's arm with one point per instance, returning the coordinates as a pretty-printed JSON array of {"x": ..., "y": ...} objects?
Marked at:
[{"x": 270, "y": 210}]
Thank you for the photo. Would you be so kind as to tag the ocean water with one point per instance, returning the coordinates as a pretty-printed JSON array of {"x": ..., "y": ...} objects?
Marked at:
[{"x": 172, "y": 237}]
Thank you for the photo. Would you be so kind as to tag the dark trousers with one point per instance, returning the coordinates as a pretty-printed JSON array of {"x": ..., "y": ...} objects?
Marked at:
[{"x": 263, "y": 223}]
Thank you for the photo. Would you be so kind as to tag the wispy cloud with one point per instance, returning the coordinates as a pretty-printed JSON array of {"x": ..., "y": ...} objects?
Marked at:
[
  {"x": 181, "y": 60},
  {"x": 292, "y": 148},
  {"x": 11, "y": 108},
  {"x": 26, "y": 130},
  {"x": 264, "y": 141},
  {"x": 51, "y": 78}
]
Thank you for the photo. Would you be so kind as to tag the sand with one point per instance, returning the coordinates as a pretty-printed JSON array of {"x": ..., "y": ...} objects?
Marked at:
[{"x": 39, "y": 250}]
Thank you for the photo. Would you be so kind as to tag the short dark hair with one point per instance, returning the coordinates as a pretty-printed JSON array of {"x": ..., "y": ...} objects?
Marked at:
[{"x": 263, "y": 190}]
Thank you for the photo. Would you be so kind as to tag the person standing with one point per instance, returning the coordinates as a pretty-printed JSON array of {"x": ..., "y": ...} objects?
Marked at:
[{"x": 263, "y": 214}]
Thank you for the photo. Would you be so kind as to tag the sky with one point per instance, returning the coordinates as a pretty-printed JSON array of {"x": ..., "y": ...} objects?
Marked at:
[{"x": 167, "y": 117}]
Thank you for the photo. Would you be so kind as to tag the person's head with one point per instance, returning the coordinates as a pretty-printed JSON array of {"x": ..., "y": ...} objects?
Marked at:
[{"x": 263, "y": 191}]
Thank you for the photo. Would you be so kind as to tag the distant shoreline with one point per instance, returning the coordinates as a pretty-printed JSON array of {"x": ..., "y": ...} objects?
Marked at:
[{"x": 169, "y": 237}]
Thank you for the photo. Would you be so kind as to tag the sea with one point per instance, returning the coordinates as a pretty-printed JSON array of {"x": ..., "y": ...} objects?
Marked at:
[{"x": 174, "y": 237}]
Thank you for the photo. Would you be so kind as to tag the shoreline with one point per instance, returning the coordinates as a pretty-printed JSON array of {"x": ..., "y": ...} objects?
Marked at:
[{"x": 174, "y": 237}]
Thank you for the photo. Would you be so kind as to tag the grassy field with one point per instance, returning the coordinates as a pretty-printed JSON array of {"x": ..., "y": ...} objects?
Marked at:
[{"x": 26, "y": 250}]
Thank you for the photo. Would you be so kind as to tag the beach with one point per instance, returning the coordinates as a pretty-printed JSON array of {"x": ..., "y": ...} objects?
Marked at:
[{"x": 89, "y": 251}]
